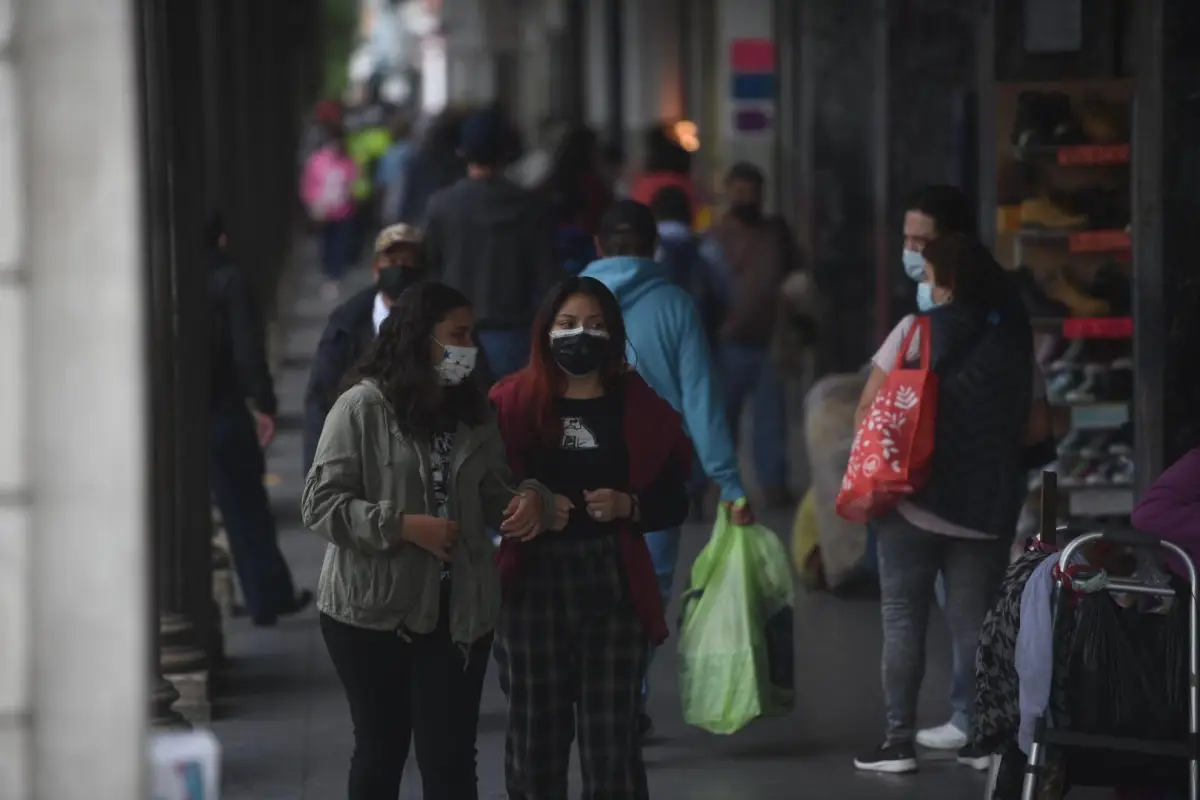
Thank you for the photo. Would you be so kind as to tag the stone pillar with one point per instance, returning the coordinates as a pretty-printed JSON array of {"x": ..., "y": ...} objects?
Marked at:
[
  {"x": 1166, "y": 166},
  {"x": 73, "y": 405},
  {"x": 181, "y": 654}
]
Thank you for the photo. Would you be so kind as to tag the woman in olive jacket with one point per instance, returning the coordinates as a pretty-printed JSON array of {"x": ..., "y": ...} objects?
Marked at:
[{"x": 409, "y": 475}]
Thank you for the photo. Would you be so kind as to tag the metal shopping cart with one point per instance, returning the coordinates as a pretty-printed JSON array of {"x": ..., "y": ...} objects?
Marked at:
[{"x": 1090, "y": 755}]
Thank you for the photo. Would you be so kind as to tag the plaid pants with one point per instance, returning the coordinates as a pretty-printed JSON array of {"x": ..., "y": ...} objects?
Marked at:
[{"x": 572, "y": 654}]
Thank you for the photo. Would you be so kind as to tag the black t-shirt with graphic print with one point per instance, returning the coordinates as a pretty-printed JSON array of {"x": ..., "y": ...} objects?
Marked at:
[
  {"x": 592, "y": 455},
  {"x": 439, "y": 465}
]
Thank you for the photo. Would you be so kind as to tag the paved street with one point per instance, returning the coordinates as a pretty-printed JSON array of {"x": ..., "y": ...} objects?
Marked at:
[{"x": 286, "y": 732}]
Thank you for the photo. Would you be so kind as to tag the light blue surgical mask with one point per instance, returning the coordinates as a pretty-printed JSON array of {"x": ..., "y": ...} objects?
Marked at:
[
  {"x": 914, "y": 265},
  {"x": 925, "y": 300}
]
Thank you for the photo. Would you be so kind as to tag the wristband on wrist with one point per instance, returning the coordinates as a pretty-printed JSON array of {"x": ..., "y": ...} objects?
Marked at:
[{"x": 634, "y": 508}]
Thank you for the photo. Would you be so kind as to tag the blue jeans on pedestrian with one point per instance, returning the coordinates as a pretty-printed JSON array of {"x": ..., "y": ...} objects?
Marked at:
[
  {"x": 959, "y": 672},
  {"x": 664, "y": 554},
  {"x": 748, "y": 372},
  {"x": 507, "y": 350},
  {"x": 237, "y": 485},
  {"x": 334, "y": 240}
]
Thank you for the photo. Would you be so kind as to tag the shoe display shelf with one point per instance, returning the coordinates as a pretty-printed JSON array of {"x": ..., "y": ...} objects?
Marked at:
[
  {"x": 1063, "y": 184},
  {"x": 1089, "y": 384}
]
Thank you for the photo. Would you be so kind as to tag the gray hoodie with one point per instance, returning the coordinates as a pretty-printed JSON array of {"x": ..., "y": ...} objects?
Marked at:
[{"x": 491, "y": 240}]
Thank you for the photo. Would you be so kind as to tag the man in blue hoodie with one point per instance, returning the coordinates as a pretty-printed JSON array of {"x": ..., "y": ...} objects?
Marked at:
[{"x": 669, "y": 348}]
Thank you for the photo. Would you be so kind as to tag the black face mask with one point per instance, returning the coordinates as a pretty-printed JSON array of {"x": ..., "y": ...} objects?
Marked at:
[
  {"x": 579, "y": 352},
  {"x": 749, "y": 213},
  {"x": 394, "y": 280}
]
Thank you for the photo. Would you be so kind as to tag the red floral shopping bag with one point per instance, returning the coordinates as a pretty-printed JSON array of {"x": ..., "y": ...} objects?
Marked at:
[{"x": 893, "y": 448}]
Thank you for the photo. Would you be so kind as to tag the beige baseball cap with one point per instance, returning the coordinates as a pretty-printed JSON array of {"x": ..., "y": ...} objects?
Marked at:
[{"x": 400, "y": 233}]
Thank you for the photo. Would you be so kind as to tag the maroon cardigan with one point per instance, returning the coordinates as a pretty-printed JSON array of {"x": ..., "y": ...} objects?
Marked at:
[{"x": 654, "y": 435}]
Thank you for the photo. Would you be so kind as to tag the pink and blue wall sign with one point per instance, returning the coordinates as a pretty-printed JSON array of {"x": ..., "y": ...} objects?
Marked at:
[{"x": 752, "y": 85}]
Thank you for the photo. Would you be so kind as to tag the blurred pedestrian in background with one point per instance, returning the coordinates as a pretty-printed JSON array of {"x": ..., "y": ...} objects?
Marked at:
[{"x": 238, "y": 434}]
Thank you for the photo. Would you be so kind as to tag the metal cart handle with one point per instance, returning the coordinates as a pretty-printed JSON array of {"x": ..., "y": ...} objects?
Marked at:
[{"x": 1127, "y": 537}]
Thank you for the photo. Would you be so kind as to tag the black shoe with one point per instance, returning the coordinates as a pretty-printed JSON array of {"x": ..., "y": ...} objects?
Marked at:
[
  {"x": 974, "y": 757},
  {"x": 1036, "y": 301},
  {"x": 303, "y": 600},
  {"x": 645, "y": 726},
  {"x": 894, "y": 759},
  {"x": 1044, "y": 119}
]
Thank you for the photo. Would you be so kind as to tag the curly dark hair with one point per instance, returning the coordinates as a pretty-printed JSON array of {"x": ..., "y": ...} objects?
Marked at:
[
  {"x": 965, "y": 266},
  {"x": 400, "y": 363}
]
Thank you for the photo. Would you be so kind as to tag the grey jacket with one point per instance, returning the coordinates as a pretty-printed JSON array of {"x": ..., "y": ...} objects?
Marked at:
[
  {"x": 364, "y": 478},
  {"x": 493, "y": 241}
]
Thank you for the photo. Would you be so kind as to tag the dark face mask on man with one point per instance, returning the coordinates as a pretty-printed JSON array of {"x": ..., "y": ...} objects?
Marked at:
[
  {"x": 579, "y": 351},
  {"x": 394, "y": 279}
]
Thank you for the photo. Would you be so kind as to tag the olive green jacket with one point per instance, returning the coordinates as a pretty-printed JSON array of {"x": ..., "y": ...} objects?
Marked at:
[{"x": 365, "y": 477}]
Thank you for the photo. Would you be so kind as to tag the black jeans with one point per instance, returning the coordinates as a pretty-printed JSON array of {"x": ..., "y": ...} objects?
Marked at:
[
  {"x": 401, "y": 690},
  {"x": 237, "y": 484}
]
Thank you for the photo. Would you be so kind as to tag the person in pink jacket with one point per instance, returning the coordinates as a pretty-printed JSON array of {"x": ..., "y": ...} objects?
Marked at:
[
  {"x": 327, "y": 189},
  {"x": 1170, "y": 509}
]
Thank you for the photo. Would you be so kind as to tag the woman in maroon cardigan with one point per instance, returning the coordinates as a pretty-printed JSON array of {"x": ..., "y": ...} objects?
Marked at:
[{"x": 581, "y": 602}]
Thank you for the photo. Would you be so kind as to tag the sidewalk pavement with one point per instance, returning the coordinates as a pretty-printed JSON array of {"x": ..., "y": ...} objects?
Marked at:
[{"x": 286, "y": 734}]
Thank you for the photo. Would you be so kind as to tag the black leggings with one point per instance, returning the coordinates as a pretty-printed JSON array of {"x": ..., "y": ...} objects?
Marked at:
[{"x": 399, "y": 690}]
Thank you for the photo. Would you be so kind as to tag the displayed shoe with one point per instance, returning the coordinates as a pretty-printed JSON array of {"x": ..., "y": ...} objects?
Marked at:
[
  {"x": 1103, "y": 122},
  {"x": 1044, "y": 119},
  {"x": 974, "y": 757},
  {"x": 1042, "y": 212},
  {"x": 1059, "y": 285},
  {"x": 1061, "y": 381},
  {"x": 1120, "y": 471},
  {"x": 943, "y": 737},
  {"x": 1105, "y": 208},
  {"x": 1095, "y": 444},
  {"x": 894, "y": 759},
  {"x": 1072, "y": 357},
  {"x": 1120, "y": 379},
  {"x": 1112, "y": 284},
  {"x": 1072, "y": 442},
  {"x": 1121, "y": 443},
  {"x": 1091, "y": 388},
  {"x": 1081, "y": 472},
  {"x": 1036, "y": 301}
]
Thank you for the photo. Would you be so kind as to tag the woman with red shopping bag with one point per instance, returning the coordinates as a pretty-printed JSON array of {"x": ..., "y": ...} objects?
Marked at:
[{"x": 936, "y": 467}]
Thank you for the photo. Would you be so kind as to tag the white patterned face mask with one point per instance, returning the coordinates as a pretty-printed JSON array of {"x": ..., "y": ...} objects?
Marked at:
[{"x": 457, "y": 364}]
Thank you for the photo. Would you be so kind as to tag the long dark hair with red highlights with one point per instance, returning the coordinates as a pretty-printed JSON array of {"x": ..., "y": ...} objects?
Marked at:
[{"x": 543, "y": 381}]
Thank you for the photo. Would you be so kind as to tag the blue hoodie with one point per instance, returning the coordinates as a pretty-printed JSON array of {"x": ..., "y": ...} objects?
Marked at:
[{"x": 668, "y": 347}]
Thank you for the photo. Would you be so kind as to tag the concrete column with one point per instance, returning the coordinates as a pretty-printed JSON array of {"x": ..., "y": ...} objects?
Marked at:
[
  {"x": 16, "y": 511},
  {"x": 596, "y": 70},
  {"x": 72, "y": 490},
  {"x": 470, "y": 69},
  {"x": 181, "y": 652},
  {"x": 653, "y": 68}
]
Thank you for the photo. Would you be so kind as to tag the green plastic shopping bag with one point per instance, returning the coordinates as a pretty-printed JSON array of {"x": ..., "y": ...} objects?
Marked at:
[{"x": 735, "y": 648}]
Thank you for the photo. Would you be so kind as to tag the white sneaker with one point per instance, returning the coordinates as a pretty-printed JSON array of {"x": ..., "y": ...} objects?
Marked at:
[{"x": 943, "y": 737}]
